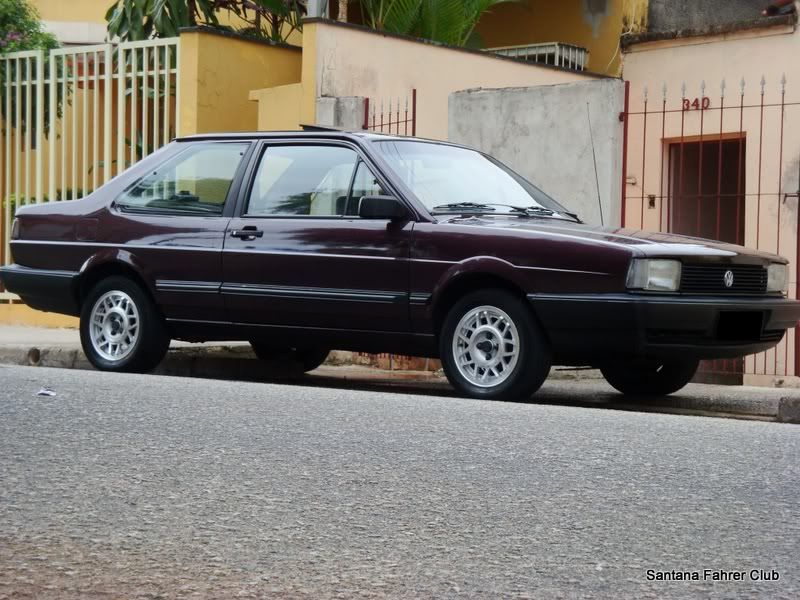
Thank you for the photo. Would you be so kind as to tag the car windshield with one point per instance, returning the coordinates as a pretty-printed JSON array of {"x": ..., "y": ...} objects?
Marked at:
[{"x": 453, "y": 179}]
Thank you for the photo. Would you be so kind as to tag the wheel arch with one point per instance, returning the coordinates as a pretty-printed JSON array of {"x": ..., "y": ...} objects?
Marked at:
[
  {"x": 476, "y": 274},
  {"x": 99, "y": 267}
]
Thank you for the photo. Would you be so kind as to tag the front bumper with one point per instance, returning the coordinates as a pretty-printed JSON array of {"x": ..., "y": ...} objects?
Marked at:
[
  {"x": 52, "y": 291},
  {"x": 588, "y": 328}
]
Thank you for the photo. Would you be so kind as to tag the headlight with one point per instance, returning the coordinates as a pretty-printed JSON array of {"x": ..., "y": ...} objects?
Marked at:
[
  {"x": 777, "y": 280},
  {"x": 654, "y": 275}
]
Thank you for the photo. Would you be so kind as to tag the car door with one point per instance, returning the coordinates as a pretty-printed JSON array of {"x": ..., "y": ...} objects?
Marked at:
[
  {"x": 172, "y": 222},
  {"x": 299, "y": 255}
]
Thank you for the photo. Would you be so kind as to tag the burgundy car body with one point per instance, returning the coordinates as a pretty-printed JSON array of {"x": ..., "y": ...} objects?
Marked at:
[{"x": 379, "y": 285}]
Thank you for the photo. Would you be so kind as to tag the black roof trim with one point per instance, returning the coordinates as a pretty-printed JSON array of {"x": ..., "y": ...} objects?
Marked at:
[
  {"x": 411, "y": 38},
  {"x": 257, "y": 135},
  {"x": 321, "y": 133},
  {"x": 752, "y": 24}
]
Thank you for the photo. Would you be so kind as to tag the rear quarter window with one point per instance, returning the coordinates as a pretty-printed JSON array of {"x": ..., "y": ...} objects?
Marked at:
[{"x": 195, "y": 181}]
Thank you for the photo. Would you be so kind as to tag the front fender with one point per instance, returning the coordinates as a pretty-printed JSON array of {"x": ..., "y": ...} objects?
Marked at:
[{"x": 489, "y": 266}]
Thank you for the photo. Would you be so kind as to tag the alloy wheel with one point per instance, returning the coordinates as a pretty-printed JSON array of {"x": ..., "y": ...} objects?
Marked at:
[
  {"x": 114, "y": 327},
  {"x": 486, "y": 346}
]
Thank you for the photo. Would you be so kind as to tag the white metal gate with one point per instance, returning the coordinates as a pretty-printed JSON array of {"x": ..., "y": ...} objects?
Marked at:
[{"x": 75, "y": 117}]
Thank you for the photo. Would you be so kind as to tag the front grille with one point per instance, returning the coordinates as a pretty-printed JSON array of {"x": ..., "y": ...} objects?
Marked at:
[{"x": 710, "y": 279}]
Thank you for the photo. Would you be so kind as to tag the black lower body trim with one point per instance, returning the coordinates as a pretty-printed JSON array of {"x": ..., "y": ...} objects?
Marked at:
[
  {"x": 47, "y": 290},
  {"x": 338, "y": 339},
  {"x": 588, "y": 329}
]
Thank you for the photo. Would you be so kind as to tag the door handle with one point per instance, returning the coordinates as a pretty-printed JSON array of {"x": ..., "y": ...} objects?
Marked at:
[{"x": 247, "y": 233}]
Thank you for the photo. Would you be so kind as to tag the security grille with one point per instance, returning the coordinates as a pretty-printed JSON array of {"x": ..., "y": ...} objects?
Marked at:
[{"x": 550, "y": 53}]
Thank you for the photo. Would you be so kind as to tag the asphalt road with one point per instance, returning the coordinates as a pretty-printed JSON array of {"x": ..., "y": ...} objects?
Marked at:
[{"x": 158, "y": 487}]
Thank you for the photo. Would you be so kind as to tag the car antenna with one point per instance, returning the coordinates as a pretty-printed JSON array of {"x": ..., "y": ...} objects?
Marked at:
[{"x": 594, "y": 159}]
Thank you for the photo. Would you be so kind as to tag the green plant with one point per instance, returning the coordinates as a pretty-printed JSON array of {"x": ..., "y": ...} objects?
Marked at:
[
  {"x": 450, "y": 22},
  {"x": 275, "y": 20},
  {"x": 134, "y": 20},
  {"x": 10, "y": 201},
  {"x": 21, "y": 29},
  {"x": 131, "y": 20}
]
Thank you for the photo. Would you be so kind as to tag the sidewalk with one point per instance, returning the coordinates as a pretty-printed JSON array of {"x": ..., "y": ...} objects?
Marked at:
[
  {"x": 60, "y": 348},
  {"x": 43, "y": 337}
]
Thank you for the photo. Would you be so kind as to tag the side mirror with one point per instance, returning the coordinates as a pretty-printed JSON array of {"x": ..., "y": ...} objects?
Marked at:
[{"x": 382, "y": 207}]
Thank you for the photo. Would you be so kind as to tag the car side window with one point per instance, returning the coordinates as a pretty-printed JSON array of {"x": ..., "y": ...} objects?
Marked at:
[
  {"x": 195, "y": 181},
  {"x": 364, "y": 184},
  {"x": 302, "y": 180}
]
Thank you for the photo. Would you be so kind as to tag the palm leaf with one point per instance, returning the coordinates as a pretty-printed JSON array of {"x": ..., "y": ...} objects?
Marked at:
[{"x": 402, "y": 16}]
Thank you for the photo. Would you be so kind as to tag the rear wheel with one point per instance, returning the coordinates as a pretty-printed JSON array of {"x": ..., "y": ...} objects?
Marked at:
[
  {"x": 308, "y": 358},
  {"x": 492, "y": 347},
  {"x": 651, "y": 378},
  {"x": 121, "y": 328}
]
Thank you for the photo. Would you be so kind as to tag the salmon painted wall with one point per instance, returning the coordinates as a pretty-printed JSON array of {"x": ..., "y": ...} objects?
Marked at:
[
  {"x": 771, "y": 153},
  {"x": 353, "y": 61}
]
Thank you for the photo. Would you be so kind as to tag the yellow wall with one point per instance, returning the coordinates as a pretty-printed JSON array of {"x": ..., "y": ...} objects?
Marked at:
[
  {"x": 308, "y": 107},
  {"x": 20, "y": 314},
  {"x": 569, "y": 21},
  {"x": 93, "y": 11},
  {"x": 218, "y": 73},
  {"x": 279, "y": 107}
]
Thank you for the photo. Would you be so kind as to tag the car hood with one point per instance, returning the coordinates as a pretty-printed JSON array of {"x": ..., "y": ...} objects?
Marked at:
[{"x": 641, "y": 243}]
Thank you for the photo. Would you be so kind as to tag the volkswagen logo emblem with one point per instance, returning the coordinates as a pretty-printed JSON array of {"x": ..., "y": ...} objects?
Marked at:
[{"x": 728, "y": 279}]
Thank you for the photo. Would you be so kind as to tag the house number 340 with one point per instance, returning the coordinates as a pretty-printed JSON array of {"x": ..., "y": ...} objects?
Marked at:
[{"x": 697, "y": 103}]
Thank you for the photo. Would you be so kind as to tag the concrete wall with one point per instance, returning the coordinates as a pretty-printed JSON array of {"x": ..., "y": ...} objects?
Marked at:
[
  {"x": 543, "y": 133},
  {"x": 343, "y": 113},
  {"x": 218, "y": 72},
  {"x": 346, "y": 61},
  {"x": 674, "y": 15}
]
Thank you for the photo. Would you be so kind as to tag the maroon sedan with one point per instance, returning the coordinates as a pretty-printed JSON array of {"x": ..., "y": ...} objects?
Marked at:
[{"x": 303, "y": 242}]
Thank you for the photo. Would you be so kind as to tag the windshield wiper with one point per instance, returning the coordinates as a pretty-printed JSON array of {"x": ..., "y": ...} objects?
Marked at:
[
  {"x": 541, "y": 210},
  {"x": 489, "y": 206},
  {"x": 463, "y": 205},
  {"x": 532, "y": 210}
]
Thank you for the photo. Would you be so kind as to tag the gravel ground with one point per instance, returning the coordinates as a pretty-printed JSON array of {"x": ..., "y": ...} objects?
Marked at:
[{"x": 125, "y": 486}]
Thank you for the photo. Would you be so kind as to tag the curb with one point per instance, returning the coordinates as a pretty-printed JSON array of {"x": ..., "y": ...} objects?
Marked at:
[
  {"x": 789, "y": 410},
  {"x": 238, "y": 363}
]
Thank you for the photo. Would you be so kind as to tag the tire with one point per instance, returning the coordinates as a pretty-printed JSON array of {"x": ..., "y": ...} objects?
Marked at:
[
  {"x": 481, "y": 316},
  {"x": 308, "y": 358},
  {"x": 651, "y": 378},
  {"x": 147, "y": 343}
]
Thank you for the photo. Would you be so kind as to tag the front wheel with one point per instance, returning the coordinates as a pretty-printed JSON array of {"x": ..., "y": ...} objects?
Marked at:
[
  {"x": 121, "y": 328},
  {"x": 651, "y": 378},
  {"x": 492, "y": 347}
]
